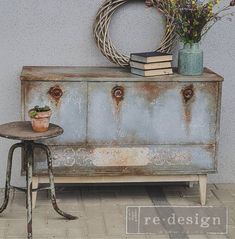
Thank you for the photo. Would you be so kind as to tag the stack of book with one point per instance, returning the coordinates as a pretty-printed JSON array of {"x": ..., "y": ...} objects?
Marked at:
[{"x": 151, "y": 63}]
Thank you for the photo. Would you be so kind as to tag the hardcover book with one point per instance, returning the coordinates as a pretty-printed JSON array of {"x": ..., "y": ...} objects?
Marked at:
[
  {"x": 150, "y": 57},
  {"x": 150, "y": 66},
  {"x": 156, "y": 72}
]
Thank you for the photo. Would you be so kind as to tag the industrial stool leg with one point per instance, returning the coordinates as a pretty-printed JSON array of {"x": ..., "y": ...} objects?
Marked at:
[
  {"x": 29, "y": 175},
  {"x": 52, "y": 185},
  {"x": 8, "y": 176}
]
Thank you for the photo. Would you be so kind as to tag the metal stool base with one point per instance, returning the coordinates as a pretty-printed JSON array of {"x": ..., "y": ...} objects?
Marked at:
[{"x": 28, "y": 147}]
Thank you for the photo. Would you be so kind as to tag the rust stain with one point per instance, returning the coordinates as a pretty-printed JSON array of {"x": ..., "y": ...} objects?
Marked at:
[
  {"x": 120, "y": 157},
  {"x": 210, "y": 148},
  {"x": 211, "y": 89},
  {"x": 28, "y": 87},
  {"x": 55, "y": 93},
  {"x": 152, "y": 90},
  {"x": 90, "y": 74},
  {"x": 118, "y": 94},
  {"x": 40, "y": 75},
  {"x": 188, "y": 97}
]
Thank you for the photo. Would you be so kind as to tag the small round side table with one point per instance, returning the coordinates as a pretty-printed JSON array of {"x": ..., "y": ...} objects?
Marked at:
[{"x": 22, "y": 131}]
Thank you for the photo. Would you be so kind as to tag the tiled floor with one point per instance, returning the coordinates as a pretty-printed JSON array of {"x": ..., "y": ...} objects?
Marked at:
[{"x": 101, "y": 210}]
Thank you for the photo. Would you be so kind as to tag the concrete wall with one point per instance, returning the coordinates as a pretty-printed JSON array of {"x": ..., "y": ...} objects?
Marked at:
[{"x": 59, "y": 32}]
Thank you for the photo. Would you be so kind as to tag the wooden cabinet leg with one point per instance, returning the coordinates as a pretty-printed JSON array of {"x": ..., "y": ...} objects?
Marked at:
[
  {"x": 202, "y": 188},
  {"x": 34, "y": 196}
]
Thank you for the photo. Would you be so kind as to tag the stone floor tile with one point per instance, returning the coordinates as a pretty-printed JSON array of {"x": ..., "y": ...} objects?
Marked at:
[
  {"x": 16, "y": 228},
  {"x": 212, "y": 186},
  {"x": 142, "y": 199},
  {"x": 154, "y": 236},
  {"x": 90, "y": 198},
  {"x": 224, "y": 195},
  {"x": 178, "y": 201},
  {"x": 225, "y": 186},
  {"x": 50, "y": 231},
  {"x": 66, "y": 199},
  {"x": 78, "y": 232},
  {"x": 177, "y": 191},
  {"x": 115, "y": 224},
  {"x": 107, "y": 237},
  {"x": 108, "y": 197},
  {"x": 137, "y": 237},
  {"x": 101, "y": 212},
  {"x": 3, "y": 223},
  {"x": 13, "y": 215},
  {"x": 96, "y": 226},
  {"x": 213, "y": 201},
  {"x": 112, "y": 209},
  {"x": 83, "y": 237},
  {"x": 197, "y": 236},
  {"x": 231, "y": 232},
  {"x": 2, "y": 232},
  {"x": 231, "y": 216},
  {"x": 196, "y": 193},
  {"x": 93, "y": 211},
  {"x": 218, "y": 236},
  {"x": 125, "y": 198}
]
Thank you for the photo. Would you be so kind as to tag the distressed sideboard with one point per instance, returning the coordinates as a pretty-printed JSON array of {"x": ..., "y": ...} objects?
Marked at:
[{"x": 119, "y": 127}]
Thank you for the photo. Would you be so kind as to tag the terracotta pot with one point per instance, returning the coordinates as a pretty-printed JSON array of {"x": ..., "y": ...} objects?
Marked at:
[{"x": 41, "y": 121}]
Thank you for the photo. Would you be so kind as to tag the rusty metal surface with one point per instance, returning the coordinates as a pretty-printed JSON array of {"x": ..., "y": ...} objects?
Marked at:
[
  {"x": 116, "y": 123},
  {"x": 56, "y": 93},
  {"x": 29, "y": 148},
  {"x": 22, "y": 130},
  {"x": 46, "y": 150},
  {"x": 69, "y": 110},
  {"x": 43, "y": 73},
  {"x": 8, "y": 176},
  {"x": 142, "y": 160},
  {"x": 152, "y": 113},
  {"x": 29, "y": 186}
]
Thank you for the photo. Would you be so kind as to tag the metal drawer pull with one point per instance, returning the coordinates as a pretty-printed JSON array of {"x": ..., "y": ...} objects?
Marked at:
[
  {"x": 55, "y": 92},
  {"x": 118, "y": 93},
  {"x": 188, "y": 94}
]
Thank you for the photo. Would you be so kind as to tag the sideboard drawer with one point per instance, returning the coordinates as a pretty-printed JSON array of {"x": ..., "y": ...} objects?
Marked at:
[
  {"x": 68, "y": 101},
  {"x": 136, "y": 160},
  {"x": 152, "y": 112}
]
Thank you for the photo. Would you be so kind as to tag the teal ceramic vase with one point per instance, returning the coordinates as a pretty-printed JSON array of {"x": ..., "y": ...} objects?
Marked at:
[{"x": 190, "y": 60}]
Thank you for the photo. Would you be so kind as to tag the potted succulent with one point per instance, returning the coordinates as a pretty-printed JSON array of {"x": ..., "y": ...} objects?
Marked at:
[{"x": 40, "y": 118}]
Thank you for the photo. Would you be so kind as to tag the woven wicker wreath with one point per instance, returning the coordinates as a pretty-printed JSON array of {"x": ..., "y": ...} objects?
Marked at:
[{"x": 101, "y": 30}]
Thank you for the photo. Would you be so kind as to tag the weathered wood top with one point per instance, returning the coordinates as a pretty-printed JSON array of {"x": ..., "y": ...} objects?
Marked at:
[
  {"x": 59, "y": 73},
  {"x": 22, "y": 130}
]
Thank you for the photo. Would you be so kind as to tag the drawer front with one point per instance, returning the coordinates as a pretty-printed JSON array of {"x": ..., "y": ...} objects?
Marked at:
[
  {"x": 143, "y": 160},
  {"x": 68, "y": 102},
  {"x": 152, "y": 113}
]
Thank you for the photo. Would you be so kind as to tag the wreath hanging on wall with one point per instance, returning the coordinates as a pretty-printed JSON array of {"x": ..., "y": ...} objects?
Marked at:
[{"x": 101, "y": 30}]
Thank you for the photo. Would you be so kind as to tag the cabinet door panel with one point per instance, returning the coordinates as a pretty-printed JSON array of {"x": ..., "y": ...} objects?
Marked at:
[
  {"x": 69, "y": 109},
  {"x": 152, "y": 113}
]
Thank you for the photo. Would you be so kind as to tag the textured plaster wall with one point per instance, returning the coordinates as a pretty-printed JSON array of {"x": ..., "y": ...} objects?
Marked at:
[{"x": 59, "y": 32}]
